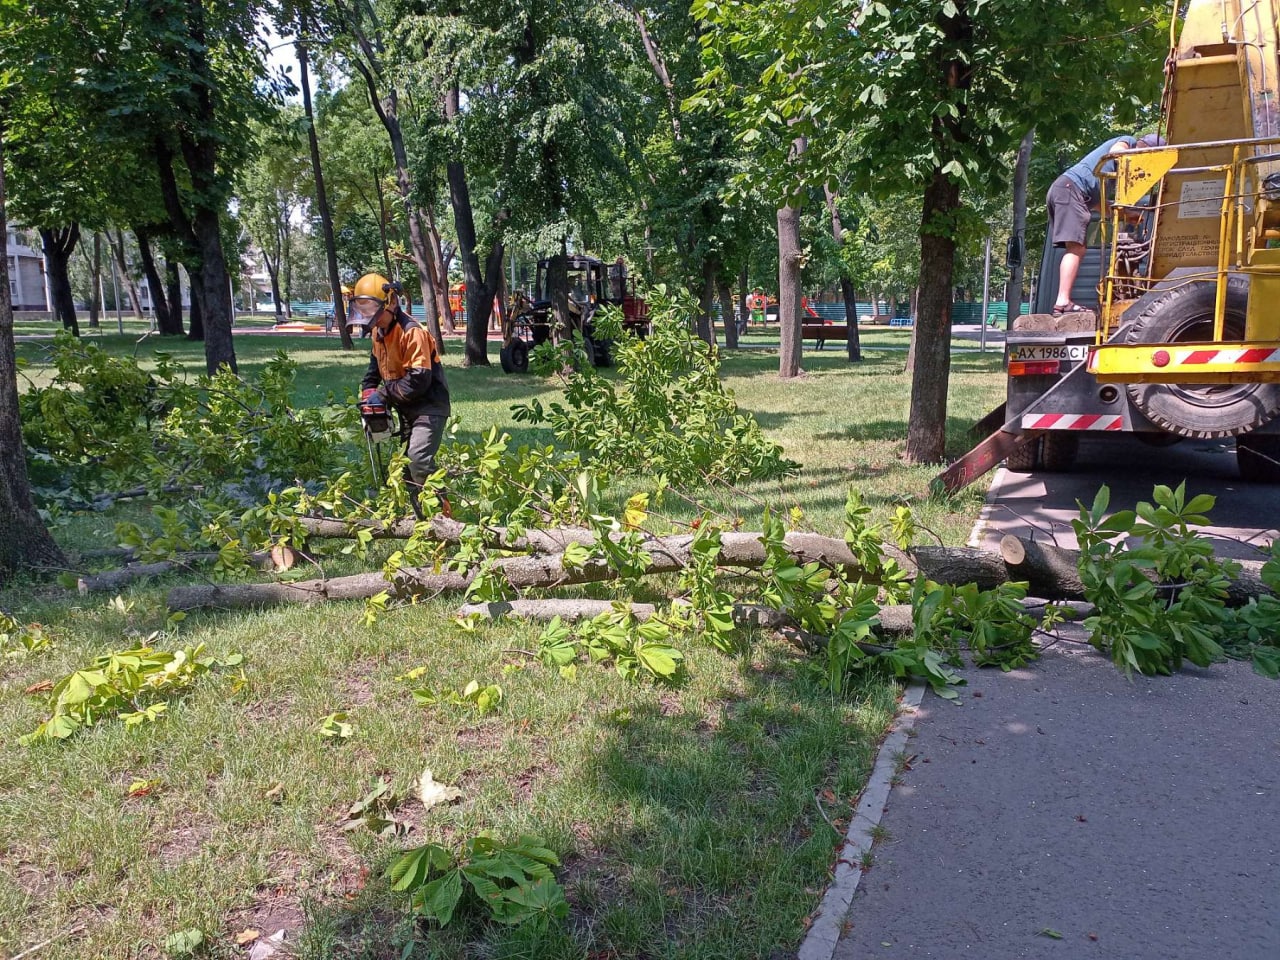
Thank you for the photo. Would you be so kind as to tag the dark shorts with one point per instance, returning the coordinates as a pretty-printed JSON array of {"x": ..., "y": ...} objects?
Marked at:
[{"x": 1069, "y": 213}]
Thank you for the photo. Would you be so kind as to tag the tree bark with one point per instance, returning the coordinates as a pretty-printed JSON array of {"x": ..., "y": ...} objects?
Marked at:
[
  {"x": 195, "y": 329},
  {"x": 24, "y": 540},
  {"x": 58, "y": 245},
  {"x": 931, "y": 336},
  {"x": 155, "y": 286},
  {"x": 1020, "y": 173},
  {"x": 706, "y": 327},
  {"x": 790, "y": 344},
  {"x": 116, "y": 243},
  {"x": 481, "y": 287},
  {"x": 200, "y": 154},
  {"x": 730, "y": 316},
  {"x": 386, "y": 106},
  {"x": 174, "y": 283},
  {"x": 322, "y": 198},
  {"x": 96, "y": 306},
  {"x": 847, "y": 292}
]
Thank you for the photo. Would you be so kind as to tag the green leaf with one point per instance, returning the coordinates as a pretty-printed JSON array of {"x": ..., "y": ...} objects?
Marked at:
[{"x": 440, "y": 897}]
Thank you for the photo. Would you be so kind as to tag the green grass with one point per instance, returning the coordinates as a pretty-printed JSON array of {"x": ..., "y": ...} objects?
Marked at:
[{"x": 685, "y": 816}]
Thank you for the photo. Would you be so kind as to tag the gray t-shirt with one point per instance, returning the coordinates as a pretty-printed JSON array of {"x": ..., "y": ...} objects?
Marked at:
[{"x": 1082, "y": 173}]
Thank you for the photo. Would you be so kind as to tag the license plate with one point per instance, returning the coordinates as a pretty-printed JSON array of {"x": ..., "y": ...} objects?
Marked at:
[{"x": 1060, "y": 351}]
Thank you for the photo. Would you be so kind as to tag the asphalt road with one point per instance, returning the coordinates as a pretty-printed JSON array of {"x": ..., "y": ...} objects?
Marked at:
[
  {"x": 1245, "y": 517},
  {"x": 1062, "y": 812}
]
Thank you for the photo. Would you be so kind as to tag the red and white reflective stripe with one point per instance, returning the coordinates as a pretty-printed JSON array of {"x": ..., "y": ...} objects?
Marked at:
[
  {"x": 1071, "y": 421},
  {"x": 1198, "y": 358}
]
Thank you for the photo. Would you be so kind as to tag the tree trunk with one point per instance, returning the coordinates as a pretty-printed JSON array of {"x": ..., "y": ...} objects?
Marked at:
[
  {"x": 931, "y": 337},
  {"x": 277, "y": 296},
  {"x": 387, "y": 109},
  {"x": 439, "y": 271},
  {"x": 96, "y": 305},
  {"x": 58, "y": 246},
  {"x": 744, "y": 310},
  {"x": 126, "y": 274},
  {"x": 850, "y": 297},
  {"x": 215, "y": 294},
  {"x": 174, "y": 279},
  {"x": 24, "y": 540},
  {"x": 730, "y": 315},
  {"x": 790, "y": 344},
  {"x": 1013, "y": 298},
  {"x": 847, "y": 291},
  {"x": 480, "y": 288},
  {"x": 322, "y": 199},
  {"x": 195, "y": 329},
  {"x": 558, "y": 291},
  {"x": 706, "y": 327},
  {"x": 155, "y": 286}
]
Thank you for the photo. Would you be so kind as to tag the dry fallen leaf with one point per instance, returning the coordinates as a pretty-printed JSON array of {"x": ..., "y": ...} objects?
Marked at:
[
  {"x": 432, "y": 794},
  {"x": 42, "y": 687},
  {"x": 248, "y": 935}
]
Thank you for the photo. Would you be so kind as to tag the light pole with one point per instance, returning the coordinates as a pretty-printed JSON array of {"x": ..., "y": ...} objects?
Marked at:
[{"x": 986, "y": 286}]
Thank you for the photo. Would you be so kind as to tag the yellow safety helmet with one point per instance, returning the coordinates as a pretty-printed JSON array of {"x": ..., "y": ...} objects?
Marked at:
[{"x": 372, "y": 294}]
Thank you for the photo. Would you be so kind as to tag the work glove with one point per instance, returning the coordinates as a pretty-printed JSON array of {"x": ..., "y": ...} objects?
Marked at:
[{"x": 371, "y": 398}]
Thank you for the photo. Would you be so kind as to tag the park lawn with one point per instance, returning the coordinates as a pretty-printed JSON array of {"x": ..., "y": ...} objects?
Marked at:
[{"x": 687, "y": 817}]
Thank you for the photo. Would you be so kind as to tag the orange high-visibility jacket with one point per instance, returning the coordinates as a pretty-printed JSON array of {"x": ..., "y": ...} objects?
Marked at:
[{"x": 405, "y": 361}]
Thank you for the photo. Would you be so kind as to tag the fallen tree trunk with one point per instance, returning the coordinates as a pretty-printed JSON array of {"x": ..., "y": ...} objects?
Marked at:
[
  {"x": 1052, "y": 572},
  {"x": 1051, "y": 569},
  {"x": 113, "y": 580},
  {"x": 665, "y": 555}
]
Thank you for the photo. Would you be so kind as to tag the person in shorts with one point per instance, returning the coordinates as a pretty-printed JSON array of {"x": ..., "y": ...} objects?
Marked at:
[{"x": 1071, "y": 201}]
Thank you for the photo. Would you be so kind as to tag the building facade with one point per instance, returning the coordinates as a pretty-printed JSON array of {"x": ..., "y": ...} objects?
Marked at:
[{"x": 27, "y": 288}]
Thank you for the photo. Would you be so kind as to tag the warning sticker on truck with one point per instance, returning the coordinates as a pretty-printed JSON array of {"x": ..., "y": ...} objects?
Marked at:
[
  {"x": 1059, "y": 351},
  {"x": 1201, "y": 199}
]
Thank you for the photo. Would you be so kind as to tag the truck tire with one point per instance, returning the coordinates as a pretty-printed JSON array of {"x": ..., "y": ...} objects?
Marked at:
[
  {"x": 515, "y": 357},
  {"x": 1259, "y": 458},
  {"x": 1058, "y": 450},
  {"x": 1025, "y": 458},
  {"x": 1185, "y": 314},
  {"x": 604, "y": 352}
]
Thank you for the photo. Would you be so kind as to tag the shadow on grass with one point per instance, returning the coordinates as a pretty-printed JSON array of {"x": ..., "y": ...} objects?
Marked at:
[{"x": 691, "y": 829}]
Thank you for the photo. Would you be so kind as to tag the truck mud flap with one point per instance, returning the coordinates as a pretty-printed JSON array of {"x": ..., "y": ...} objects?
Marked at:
[{"x": 1063, "y": 396}]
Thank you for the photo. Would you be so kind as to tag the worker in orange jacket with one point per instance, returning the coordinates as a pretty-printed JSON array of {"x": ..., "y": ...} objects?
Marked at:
[{"x": 404, "y": 372}]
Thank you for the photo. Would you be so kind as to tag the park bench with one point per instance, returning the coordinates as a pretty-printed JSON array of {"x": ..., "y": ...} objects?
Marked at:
[{"x": 822, "y": 332}]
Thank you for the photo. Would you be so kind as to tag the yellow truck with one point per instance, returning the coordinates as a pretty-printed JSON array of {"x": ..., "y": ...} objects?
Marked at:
[{"x": 1186, "y": 338}]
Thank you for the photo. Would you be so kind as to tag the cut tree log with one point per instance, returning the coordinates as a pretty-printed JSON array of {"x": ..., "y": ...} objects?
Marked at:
[
  {"x": 1049, "y": 571},
  {"x": 665, "y": 555},
  {"x": 114, "y": 580},
  {"x": 1053, "y": 570}
]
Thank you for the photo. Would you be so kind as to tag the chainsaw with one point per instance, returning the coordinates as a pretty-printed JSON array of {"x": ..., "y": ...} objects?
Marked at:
[{"x": 378, "y": 421}]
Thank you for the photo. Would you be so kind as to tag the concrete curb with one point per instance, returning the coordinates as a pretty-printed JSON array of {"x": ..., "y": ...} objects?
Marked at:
[
  {"x": 823, "y": 936},
  {"x": 988, "y": 506}
]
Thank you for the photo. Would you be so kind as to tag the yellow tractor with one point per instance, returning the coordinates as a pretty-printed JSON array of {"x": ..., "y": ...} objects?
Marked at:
[{"x": 1186, "y": 338}]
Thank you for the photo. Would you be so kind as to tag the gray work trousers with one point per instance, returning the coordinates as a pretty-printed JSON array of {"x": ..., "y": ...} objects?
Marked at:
[{"x": 423, "y": 435}]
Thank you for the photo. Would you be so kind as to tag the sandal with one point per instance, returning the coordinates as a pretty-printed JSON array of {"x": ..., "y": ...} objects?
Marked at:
[{"x": 1070, "y": 308}]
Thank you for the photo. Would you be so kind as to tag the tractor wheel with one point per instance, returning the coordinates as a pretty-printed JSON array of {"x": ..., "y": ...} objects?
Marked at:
[
  {"x": 1025, "y": 458},
  {"x": 1185, "y": 314},
  {"x": 1058, "y": 450},
  {"x": 603, "y": 352},
  {"x": 1259, "y": 458},
  {"x": 515, "y": 357}
]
